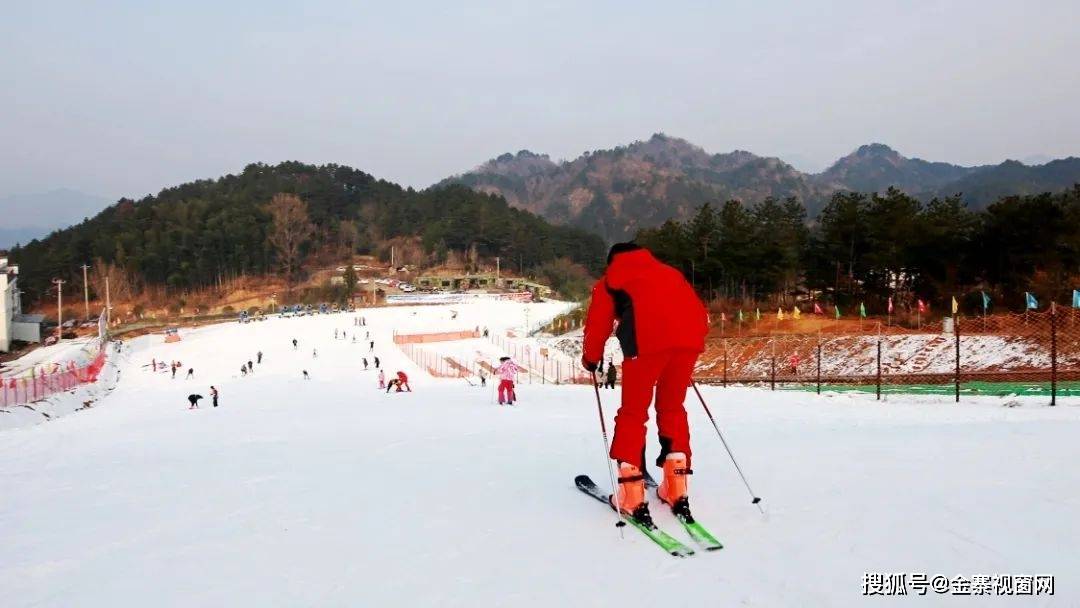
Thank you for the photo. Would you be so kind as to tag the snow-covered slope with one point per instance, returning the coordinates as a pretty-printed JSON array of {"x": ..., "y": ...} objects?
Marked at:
[{"x": 329, "y": 492}]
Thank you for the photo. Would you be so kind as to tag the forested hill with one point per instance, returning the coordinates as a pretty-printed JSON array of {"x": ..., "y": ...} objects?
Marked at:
[{"x": 189, "y": 235}]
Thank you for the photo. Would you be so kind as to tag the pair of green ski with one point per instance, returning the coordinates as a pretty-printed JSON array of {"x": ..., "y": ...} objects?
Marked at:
[{"x": 669, "y": 543}]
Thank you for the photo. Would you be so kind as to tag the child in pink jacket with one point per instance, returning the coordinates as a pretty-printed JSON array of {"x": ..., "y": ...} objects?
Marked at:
[{"x": 507, "y": 371}]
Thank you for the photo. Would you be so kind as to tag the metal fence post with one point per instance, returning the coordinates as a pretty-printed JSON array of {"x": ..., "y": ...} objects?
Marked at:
[
  {"x": 956, "y": 377},
  {"x": 725, "y": 363},
  {"x": 1053, "y": 354},
  {"x": 879, "y": 369},
  {"x": 772, "y": 381},
  {"x": 819, "y": 366}
]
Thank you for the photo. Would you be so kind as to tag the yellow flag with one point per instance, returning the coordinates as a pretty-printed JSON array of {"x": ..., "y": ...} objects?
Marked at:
[
  {"x": 955, "y": 305},
  {"x": 796, "y": 313},
  {"x": 779, "y": 314}
]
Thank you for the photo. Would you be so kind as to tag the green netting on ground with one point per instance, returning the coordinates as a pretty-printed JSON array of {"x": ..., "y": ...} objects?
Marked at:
[{"x": 1064, "y": 389}]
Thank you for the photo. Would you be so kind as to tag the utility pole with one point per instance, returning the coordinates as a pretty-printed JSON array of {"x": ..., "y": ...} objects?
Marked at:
[
  {"x": 59, "y": 309},
  {"x": 86, "y": 293},
  {"x": 497, "y": 271}
]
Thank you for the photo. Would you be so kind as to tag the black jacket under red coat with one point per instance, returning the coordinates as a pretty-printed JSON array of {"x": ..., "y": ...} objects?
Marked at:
[{"x": 655, "y": 307}]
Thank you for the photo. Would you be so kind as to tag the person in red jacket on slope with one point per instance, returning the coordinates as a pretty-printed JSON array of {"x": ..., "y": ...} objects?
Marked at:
[{"x": 661, "y": 324}]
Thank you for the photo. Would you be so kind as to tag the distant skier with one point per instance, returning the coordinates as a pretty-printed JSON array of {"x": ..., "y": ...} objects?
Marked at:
[
  {"x": 258, "y": 357},
  {"x": 194, "y": 400},
  {"x": 611, "y": 376},
  {"x": 793, "y": 363},
  {"x": 243, "y": 370},
  {"x": 294, "y": 343},
  {"x": 485, "y": 332},
  {"x": 376, "y": 363},
  {"x": 251, "y": 367},
  {"x": 306, "y": 376},
  {"x": 314, "y": 353},
  {"x": 382, "y": 379},
  {"x": 190, "y": 373},
  {"x": 371, "y": 347},
  {"x": 174, "y": 366},
  {"x": 507, "y": 371},
  {"x": 483, "y": 379},
  {"x": 335, "y": 334},
  {"x": 661, "y": 329},
  {"x": 365, "y": 364},
  {"x": 214, "y": 394}
]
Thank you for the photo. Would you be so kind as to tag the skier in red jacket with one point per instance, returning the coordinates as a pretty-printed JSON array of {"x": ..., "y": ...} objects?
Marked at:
[
  {"x": 661, "y": 324},
  {"x": 401, "y": 382}
]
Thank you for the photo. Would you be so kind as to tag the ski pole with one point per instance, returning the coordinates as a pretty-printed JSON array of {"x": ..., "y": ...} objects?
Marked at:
[
  {"x": 756, "y": 499},
  {"x": 607, "y": 458}
]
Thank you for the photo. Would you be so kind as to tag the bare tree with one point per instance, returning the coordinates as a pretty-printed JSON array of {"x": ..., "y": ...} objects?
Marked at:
[
  {"x": 121, "y": 286},
  {"x": 290, "y": 229},
  {"x": 348, "y": 236}
]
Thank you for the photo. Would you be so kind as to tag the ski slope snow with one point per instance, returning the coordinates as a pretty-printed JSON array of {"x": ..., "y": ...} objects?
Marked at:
[{"x": 329, "y": 492}]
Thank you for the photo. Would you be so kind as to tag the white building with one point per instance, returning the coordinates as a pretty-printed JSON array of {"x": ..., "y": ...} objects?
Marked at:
[{"x": 13, "y": 324}]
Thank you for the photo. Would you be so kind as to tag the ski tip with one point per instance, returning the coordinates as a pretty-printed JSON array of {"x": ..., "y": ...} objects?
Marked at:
[{"x": 582, "y": 479}]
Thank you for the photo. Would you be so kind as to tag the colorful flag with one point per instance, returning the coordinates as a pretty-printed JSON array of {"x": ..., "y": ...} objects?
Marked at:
[
  {"x": 757, "y": 314},
  {"x": 779, "y": 314},
  {"x": 890, "y": 305},
  {"x": 955, "y": 305},
  {"x": 986, "y": 301},
  {"x": 740, "y": 315},
  {"x": 723, "y": 317},
  {"x": 1076, "y": 298},
  {"x": 862, "y": 309},
  {"x": 921, "y": 305},
  {"x": 1032, "y": 303},
  {"x": 837, "y": 309},
  {"x": 817, "y": 309},
  {"x": 796, "y": 313}
]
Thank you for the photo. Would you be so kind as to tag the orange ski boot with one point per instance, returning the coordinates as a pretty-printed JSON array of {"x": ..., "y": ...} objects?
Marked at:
[
  {"x": 631, "y": 494},
  {"x": 672, "y": 491}
]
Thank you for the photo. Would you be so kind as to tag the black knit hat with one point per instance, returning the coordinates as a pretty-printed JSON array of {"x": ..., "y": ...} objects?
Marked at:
[
  {"x": 504, "y": 358},
  {"x": 618, "y": 248}
]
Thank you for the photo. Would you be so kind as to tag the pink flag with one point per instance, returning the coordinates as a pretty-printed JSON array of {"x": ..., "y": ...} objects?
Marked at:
[
  {"x": 890, "y": 305},
  {"x": 817, "y": 309},
  {"x": 922, "y": 305}
]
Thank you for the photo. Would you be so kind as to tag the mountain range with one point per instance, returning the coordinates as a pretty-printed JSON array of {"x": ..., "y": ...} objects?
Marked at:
[
  {"x": 616, "y": 192},
  {"x": 32, "y": 216}
]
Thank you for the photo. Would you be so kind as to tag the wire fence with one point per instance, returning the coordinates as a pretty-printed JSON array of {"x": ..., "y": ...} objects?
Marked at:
[
  {"x": 541, "y": 365},
  {"x": 42, "y": 384},
  {"x": 546, "y": 365},
  {"x": 1037, "y": 352}
]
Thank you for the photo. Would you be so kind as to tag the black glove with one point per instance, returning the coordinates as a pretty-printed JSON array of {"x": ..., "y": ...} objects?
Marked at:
[{"x": 588, "y": 365}]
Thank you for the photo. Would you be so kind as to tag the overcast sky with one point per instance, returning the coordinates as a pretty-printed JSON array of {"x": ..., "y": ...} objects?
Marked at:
[{"x": 124, "y": 98}]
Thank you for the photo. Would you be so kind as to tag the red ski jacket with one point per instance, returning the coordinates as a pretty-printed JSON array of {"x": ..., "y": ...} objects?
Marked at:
[
  {"x": 401, "y": 376},
  {"x": 655, "y": 307}
]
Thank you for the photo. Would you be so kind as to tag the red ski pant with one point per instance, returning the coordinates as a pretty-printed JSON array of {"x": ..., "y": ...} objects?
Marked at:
[
  {"x": 506, "y": 391},
  {"x": 668, "y": 375}
]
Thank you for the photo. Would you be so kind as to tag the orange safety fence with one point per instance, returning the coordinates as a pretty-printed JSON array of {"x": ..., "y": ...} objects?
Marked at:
[{"x": 39, "y": 385}]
